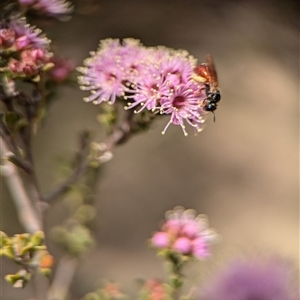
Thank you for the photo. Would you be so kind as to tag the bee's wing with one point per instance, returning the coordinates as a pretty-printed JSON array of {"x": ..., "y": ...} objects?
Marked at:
[{"x": 212, "y": 71}]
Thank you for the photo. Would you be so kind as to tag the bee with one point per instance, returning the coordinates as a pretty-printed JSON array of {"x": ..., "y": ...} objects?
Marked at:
[{"x": 207, "y": 74}]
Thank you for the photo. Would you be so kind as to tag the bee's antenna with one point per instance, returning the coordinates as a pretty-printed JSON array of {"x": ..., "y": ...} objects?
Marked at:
[{"x": 214, "y": 116}]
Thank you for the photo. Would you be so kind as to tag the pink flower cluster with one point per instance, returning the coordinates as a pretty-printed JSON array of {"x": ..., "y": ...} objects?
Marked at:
[
  {"x": 25, "y": 48},
  {"x": 154, "y": 289},
  {"x": 18, "y": 35},
  {"x": 48, "y": 7},
  {"x": 29, "y": 63},
  {"x": 185, "y": 233},
  {"x": 270, "y": 278},
  {"x": 157, "y": 79}
]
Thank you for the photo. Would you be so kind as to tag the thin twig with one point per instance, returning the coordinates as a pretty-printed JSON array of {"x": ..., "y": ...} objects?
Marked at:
[
  {"x": 10, "y": 142},
  {"x": 25, "y": 210},
  {"x": 82, "y": 165},
  {"x": 32, "y": 182},
  {"x": 64, "y": 186},
  {"x": 119, "y": 135},
  {"x": 63, "y": 278},
  {"x": 67, "y": 265}
]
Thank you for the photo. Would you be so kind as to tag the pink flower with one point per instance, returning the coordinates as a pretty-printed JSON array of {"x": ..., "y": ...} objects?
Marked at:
[
  {"x": 154, "y": 289},
  {"x": 149, "y": 90},
  {"x": 178, "y": 67},
  {"x": 27, "y": 36},
  {"x": 200, "y": 248},
  {"x": 187, "y": 234},
  {"x": 48, "y": 7},
  {"x": 61, "y": 70},
  {"x": 254, "y": 278},
  {"x": 183, "y": 104},
  {"x": 103, "y": 74},
  {"x": 134, "y": 56}
]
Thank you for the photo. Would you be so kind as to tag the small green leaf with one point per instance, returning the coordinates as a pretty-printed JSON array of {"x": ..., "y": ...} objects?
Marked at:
[
  {"x": 38, "y": 238},
  {"x": 3, "y": 239}
]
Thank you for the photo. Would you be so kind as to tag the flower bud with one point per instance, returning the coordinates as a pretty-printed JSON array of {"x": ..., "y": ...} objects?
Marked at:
[
  {"x": 29, "y": 69},
  {"x": 160, "y": 240},
  {"x": 7, "y": 37},
  {"x": 200, "y": 248},
  {"x": 15, "y": 66},
  {"x": 22, "y": 42},
  {"x": 183, "y": 245}
]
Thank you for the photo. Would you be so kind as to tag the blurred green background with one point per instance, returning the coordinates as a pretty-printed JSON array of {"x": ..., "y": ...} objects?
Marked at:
[{"x": 242, "y": 171}]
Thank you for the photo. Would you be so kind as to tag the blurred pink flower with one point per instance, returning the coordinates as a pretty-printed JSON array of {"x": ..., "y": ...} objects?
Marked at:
[
  {"x": 160, "y": 240},
  {"x": 154, "y": 289},
  {"x": 187, "y": 234},
  {"x": 48, "y": 7},
  {"x": 27, "y": 36},
  {"x": 255, "y": 278},
  {"x": 182, "y": 245},
  {"x": 62, "y": 69}
]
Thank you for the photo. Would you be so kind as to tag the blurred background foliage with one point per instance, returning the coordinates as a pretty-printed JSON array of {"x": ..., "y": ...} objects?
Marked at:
[{"x": 241, "y": 171}]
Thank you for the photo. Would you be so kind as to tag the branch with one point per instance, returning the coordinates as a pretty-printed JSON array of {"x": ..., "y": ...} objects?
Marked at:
[
  {"x": 63, "y": 278},
  {"x": 118, "y": 136},
  {"x": 64, "y": 186},
  {"x": 82, "y": 165},
  {"x": 121, "y": 133},
  {"x": 26, "y": 212}
]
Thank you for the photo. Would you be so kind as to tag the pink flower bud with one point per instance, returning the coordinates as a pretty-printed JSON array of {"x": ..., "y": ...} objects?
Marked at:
[
  {"x": 38, "y": 54},
  {"x": 62, "y": 69},
  {"x": 7, "y": 37},
  {"x": 35, "y": 57},
  {"x": 160, "y": 240},
  {"x": 183, "y": 245},
  {"x": 29, "y": 69},
  {"x": 200, "y": 248},
  {"x": 15, "y": 66},
  {"x": 173, "y": 227},
  {"x": 190, "y": 230},
  {"x": 22, "y": 42}
]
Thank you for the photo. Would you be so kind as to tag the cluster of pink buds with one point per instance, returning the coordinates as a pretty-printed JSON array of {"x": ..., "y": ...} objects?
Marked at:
[
  {"x": 184, "y": 233},
  {"x": 31, "y": 61},
  {"x": 154, "y": 289},
  {"x": 17, "y": 35},
  {"x": 24, "y": 48}
]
